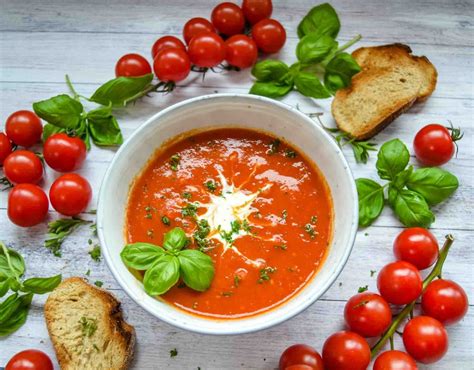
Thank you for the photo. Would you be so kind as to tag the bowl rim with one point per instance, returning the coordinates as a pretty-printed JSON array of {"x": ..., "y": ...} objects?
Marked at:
[{"x": 196, "y": 329}]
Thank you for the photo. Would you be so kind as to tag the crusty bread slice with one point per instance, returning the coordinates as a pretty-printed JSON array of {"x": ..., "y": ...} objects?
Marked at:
[
  {"x": 390, "y": 82},
  {"x": 86, "y": 327}
]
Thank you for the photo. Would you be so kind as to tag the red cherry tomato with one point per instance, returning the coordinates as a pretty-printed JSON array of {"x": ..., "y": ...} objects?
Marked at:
[
  {"x": 64, "y": 153},
  {"x": 5, "y": 147},
  {"x": 31, "y": 359},
  {"x": 300, "y": 355},
  {"x": 256, "y": 10},
  {"x": 425, "y": 339},
  {"x": 24, "y": 128},
  {"x": 346, "y": 350},
  {"x": 399, "y": 282},
  {"x": 445, "y": 301},
  {"x": 206, "y": 50},
  {"x": 23, "y": 166},
  {"x": 132, "y": 65},
  {"x": 172, "y": 64},
  {"x": 241, "y": 51},
  {"x": 394, "y": 360},
  {"x": 70, "y": 194},
  {"x": 196, "y": 26},
  {"x": 367, "y": 314},
  {"x": 27, "y": 205},
  {"x": 166, "y": 42},
  {"x": 417, "y": 246},
  {"x": 434, "y": 145},
  {"x": 301, "y": 367},
  {"x": 228, "y": 19},
  {"x": 269, "y": 35}
]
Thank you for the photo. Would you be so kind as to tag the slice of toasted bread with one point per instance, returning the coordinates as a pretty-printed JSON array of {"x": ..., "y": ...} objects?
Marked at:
[
  {"x": 86, "y": 327},
  {"x": 390, "y": 82}
]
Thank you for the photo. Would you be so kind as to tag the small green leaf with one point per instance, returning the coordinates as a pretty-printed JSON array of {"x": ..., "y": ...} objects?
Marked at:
[
  {"x": 41, "y": 285},
  {"x": 434, "y": 184},
  {"x": 320, "y": 20},
  {"x": 401, "y": 178},
  {"x": 61, "y": 110},
  {"x": 175, "y": 239},
  {"x": 50, "y": 129},
  {"x": 313, "y": 48},
  {"x": 339, "y": 72},
  {"x": 269, "y": 70},
  {"x": 371, "y": 201},
  {"x": 270, "y": 89},
  {"x": 309, "y": 85},
  {"x": 162, "y": 275},
  {"x": 197, "y": 269},
  {"x": 16, "y": 260},
  {"x": 4, "y": 287},
  {"x": 392, "y": 158},
  {"x": 412, "y": 209},
  {"x": 103, "y": 127},
  {"x": 141, "y": 256},
  {"x": 9, "y": 307},
  {"x": 15, "y": 321}
]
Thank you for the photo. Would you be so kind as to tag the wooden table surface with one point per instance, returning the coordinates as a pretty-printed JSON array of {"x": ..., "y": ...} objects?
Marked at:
[{"x": 41, "y": 41}]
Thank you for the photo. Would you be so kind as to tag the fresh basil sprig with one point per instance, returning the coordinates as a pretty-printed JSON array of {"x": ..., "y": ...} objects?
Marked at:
[
  {"x": 410, "y": 192},
  {"x": 164, "y": 266}
]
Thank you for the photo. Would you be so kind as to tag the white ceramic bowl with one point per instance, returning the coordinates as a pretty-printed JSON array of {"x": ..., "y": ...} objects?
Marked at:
[{"x": 217, "y": 111}]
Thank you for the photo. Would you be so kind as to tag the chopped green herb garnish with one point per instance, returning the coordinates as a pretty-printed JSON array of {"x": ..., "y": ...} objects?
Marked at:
[
  {"x": 59, "y": 230},
  {"x": 226, "y": 235},
  {"x": 173, "y": 352},
  {"x": 227, "y": 294},
  {"x": 264, "y": 274},
  {"x": 88, "y": 326},
  {"x": 281, "y": 246},
  {"x": 95, "y": 253},
  {"x": 274, "y": 146},
  {"x": 174, "y": 162},
  {"x": 149, "y": 216},
  {"x": 235, "y": 225},
  {"x": 314, "y": 219},
  {"x": 246, "y": 227},
  {"x": 362, "y": 289},
  {"x": 372, "y": 273},
  {"x": 210, "y": 185},
  {"x": 200, "y": 235},
  {"x": 187, "y": 195},
  {"x": 88, "y": 272},
  {"x": 290, "y": 153},
  {"x": 236, "y": 280},
  {"x": 284, "y": 214},
  {"x": 166, "y": 221},
  {"x": 310, "y": 230},
  {"x": 98, "y": 283},
  {"x": 189, "y": 210}
]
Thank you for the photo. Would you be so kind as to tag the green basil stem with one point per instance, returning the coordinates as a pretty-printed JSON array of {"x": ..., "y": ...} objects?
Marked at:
[
  {"x": 7, "y": 255},
  {"x": 73, "y": 91},
  {"x": 167, "y": 87},
  {"x": 435, "y": 273},
  {"x": 350, "y": 43}
]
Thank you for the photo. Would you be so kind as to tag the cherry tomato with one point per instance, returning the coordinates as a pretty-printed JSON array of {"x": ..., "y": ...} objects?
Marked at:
[
  {"x": 256, "y": 10},
  {"x": 417, "y": 246},
  {"x": 399, "y": 282},
  {"x": 241, "y": 51},
  {"x": 132, "y": 65},
  {"x": 172, "y": 64},
  {"x": 302, "y": 367},
  {"x": 27, "y": 205},
  {"x": 5, "y": 147},
  {"x": 24, "y": 128},
  {"x": 434, "y": 145},
  {"x": 196, "y": 26},
  {"x": 367, "y": 314},
  {"x": 228, "y": 19},
  {"x": 64, "y": 153},
  {"x": 425, "y": 339},
  {"x": 300, "y": 355},
  {"x": 206, "y": 49},
  {"x": 23, "y": 166},
  {"x": 346, "y": 350},
  {"x": 30, "y": 359},
  {"x": 394, "y": 360},
  {"x": 269, "y": 35},
  {"x": 70, "y": 194},
  {"x": 166, "y": 42},
  {"x": 445, "y": 301}
]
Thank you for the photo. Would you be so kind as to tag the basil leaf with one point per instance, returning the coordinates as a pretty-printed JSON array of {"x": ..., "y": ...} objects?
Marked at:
[
  {"x": 197, "y": 269},
  {"x": 41, "y": 285},
  {"x": 269, "y": 70},
  {"x": 309, "y": 85},
  {"x": 339, "y": 72},
  {"x": 320, "y": 20},
  {"x": 15, "y": 321},
  {"x": 175, "y": 240},
  {"x": 141, "y": 256},
  {"x": 392, "y": 158},
  {"x": 271, "y": 89},
  {"x": 162, "y": 275},
  {"x": 434, "y": 184},
  {"x": 50, "y": 129},
  {"x": 61, "y": 110},
  {"x": 121, "y": 90},
  {"x": 313, "y": 48},
  {"x": 371, "y": 201},
  {"x": 16, "y": 261},
  {"x": 8, "y": 307},
  {"x": 103, "y": 127},
  {"x": 412, "y": 209},
  {"x": 82, "y": 132},
  {"x": 401, "y": 178},
  {"x": 4, "y": 287}
]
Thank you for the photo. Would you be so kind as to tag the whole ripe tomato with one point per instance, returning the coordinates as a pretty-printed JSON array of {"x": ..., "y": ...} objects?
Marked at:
[
  {"x": 425, "y": 339},
  {"x": 434, "y": 145},
  {"x": 196, "y": 26},
  {"x": 445, "y": 301},
  {"x": 64, "y": 153},
  {"x": 70, "y": 194},
  {"x": 394, "y": 360},
  {"x": 346, "y": 350},
  {"x": 241, "y": 51},
  {"x": 256, "y": 10},
  {"x": 166, "y": 42},
  {"x": 5, "y": 147},
  {"x": 27, "y": 205},
  {"x": 367, "y": 314},
  {"x": 172, "y": 64},
  {"x": 30, "y": 359},
  {"x": 300, "y": 355},
  {"x": 302, "y": 367},
  {"x": 132, "y": 65},
  {"x": 24, "y": 128},
  {"x": 269, "y": 35},
  {"x": 228, "y": 19},
  {"x": 207, "y": 49},
  {"x": 417, "y": 246},
  {"x": 23, "y": 166},
  {"x": 399, "y": 282}
]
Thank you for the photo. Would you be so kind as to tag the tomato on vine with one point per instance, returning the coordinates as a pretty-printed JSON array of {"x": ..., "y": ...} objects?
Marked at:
[
  {"x": 269, "y": 35},
  {"x": 70, "y": 194},
  {"x": 30, "y": 359},
  {"x": 172, "y": 64},
  {"x": 5, "y": 147},
  {"x": 228, "y": 19},
  {"x": 23, "y": 166},
  {"x": 346, "y": 350},
  {"x": 417, "y": 246},
  {"x": 24, "y": 128},
  {"x": 241, "y": 51},
  {"x": 195, "y": 26},
  {"x": 256, "y": 10},
  {"x": 394, "y": 360},
  {"x": 27, "y": 205},
  {"x": 300, "y": 355},
  {"x": 166, "y": 42},
  {"x": 399, "y": 282},
  {"x": 64, "y": 153},
  {"x": 206, "y": 50},
  {"x": 132, "y": 65}
]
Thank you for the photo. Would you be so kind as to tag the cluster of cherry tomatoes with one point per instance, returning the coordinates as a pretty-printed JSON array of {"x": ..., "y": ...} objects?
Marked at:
[
  {"x": 27, "y": 202},
  {"x": 368, "y": 315},
  {"x": 206, "y": 48}
]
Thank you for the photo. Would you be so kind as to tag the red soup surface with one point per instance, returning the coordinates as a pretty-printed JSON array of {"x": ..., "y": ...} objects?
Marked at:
[{"x": 268, "y": 207}]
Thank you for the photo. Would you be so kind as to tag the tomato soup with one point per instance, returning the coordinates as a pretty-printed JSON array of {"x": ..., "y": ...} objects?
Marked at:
[{"x": 267, "y": 210}]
